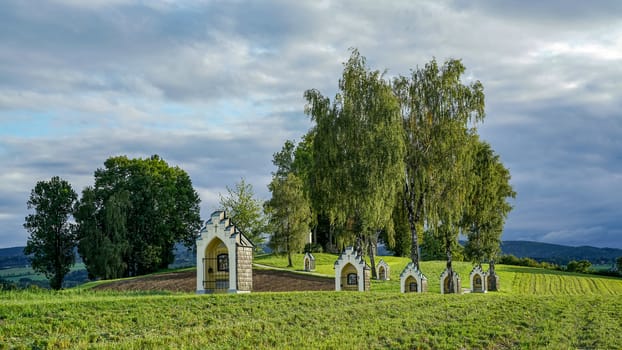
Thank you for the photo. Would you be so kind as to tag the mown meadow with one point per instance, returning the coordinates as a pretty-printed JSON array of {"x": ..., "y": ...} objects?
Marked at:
[{"x": 535, "y": 309}]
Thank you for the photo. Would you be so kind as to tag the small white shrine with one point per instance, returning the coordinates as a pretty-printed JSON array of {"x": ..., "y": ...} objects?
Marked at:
[
  {"x": 457, "y": 288},
  {"x": 309, "y": 262},
  {"x": 383, "y": 271},
  {"x": 224, "y": 257},
  {"x": 412, "y": 280},
  {"x": 478, "y": 280},
  {"x": 351, "y": 272}
]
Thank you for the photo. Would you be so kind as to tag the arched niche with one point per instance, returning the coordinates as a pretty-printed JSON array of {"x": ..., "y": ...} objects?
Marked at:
[{"x": 351, "y": 272}]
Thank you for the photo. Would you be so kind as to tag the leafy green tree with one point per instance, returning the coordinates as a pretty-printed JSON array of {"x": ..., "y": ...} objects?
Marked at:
[
  {"x": 245, "y": 211},
  {"x": 52, "y": 237},
  {"x": 104, "y": 244},
  {"x": 487, "y": 205},
  {"x": 400, "y": 243},
  {"x": 581, "y": 266},
  {"x": 131, "y": 219},
  {"x": 433, "y": 248},
  {"x": 358, "y": 151},
  {"x": 284, "y": 160},
  {"x": 303, "y": 166},
  {"x": 619, "y": 264},
  {"x": 298, "y": 160},
  {"x": 290, "y": 215},
  {"x": 436, "y": 110}
]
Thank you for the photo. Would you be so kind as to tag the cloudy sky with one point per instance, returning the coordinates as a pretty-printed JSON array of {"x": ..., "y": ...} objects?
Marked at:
[{"x": 216, "y": 87}]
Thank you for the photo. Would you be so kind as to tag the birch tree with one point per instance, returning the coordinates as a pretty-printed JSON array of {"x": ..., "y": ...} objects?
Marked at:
[
  {"x": 358, "y": 150},
  {"x": 436, "y": 109},
  {"x": 487, "y": 205},
  {"x": 290, "y": 214}
]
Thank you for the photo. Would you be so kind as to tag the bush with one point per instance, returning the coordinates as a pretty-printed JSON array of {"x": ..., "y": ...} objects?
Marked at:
[
  {"x": 7, "y": 285},
  {"x": 581, "y": 266},
  {"x": 528, "y": 262},
  {"x": 313, "y": 248}
]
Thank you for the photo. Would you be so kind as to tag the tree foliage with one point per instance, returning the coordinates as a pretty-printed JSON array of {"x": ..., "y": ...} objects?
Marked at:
[
  {"x": 290, "y": 215},
  {"x": 433, "y": 248},
  {"x": 400, "y": 242},
  {"x": 245, "y": 211},
  {"x": 487, "y": 204},
  {"x": 358, "y": 151},
  {"x": 436, "y": 110},
  {"x": 284, "y": 160},
  {"x": 581, "y": 266},
  {"x": 130, "y": 220},
  {"x": 52, "y": 237}
]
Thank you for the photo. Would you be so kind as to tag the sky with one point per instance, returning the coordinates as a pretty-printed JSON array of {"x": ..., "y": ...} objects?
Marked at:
[{"x": 216, "y": 88}]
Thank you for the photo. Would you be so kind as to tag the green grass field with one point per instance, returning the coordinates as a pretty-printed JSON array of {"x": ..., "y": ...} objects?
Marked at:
[
  {"x": 514, "y": 279},
  {"x": 535, "y": 309}
]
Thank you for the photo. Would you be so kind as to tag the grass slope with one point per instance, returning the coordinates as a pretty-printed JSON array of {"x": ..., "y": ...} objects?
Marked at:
[
  {"x": 535, "y": 309},
  {"x": 83, "y": 319},
  {"x": 513, "y": 279}
]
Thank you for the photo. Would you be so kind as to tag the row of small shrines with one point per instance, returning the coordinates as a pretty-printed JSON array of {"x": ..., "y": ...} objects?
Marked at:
[
  {"x": 224, "y": 263},
  {"x": 352, "y": 273}
]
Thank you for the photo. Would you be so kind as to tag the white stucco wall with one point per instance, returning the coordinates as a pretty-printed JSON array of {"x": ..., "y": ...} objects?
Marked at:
[
  {"x": 218, "y": 226},
  {"x": 411, "y": 271},
  {"x": 349, "y": 256}
]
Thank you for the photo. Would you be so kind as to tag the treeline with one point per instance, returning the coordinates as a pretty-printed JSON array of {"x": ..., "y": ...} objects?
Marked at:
[
  {"x": 126, "y": 224},
  {"x": 560, "y": 254},
  {"x": 580, "y": 266},
  {"x": 17, "y": 260}
]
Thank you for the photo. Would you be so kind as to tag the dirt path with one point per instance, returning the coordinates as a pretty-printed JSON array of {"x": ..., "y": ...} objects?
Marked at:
[{"x": 185, "y": 281}]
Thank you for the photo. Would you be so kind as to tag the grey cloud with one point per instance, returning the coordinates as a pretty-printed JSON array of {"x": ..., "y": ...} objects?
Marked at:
[
  {"x": 569, "y": 12},
  {"x": 564, "y": 174},
  {"x": 213, "y": 160},
  {"x": 216, "y": 88}
]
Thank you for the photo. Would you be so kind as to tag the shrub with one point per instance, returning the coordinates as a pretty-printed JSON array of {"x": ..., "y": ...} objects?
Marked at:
[
  {"x": 528, "y": 262},
  {"x": 314, "y": 248},
  {"x": 582, "y": 266},
  {"x": 7, "y": 285}
]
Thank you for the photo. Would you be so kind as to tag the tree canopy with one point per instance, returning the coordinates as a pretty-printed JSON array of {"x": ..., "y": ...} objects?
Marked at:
[
  {"x": 416, "y": 135},
  {"x": 436, "y": 110},
  {"x": 487, "y": 204},
  {"x": 245, "y": 211},
  {"x": 130, "y": 220},
  {"x": 52, "y": 237},
  {"x": 290, "y": 215},
  {"x": 358, "y": 150}
]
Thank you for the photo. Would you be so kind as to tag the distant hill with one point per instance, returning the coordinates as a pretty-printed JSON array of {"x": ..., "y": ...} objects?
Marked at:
[
  {"x": 560, "y": 254},
  {"x": 13, "y": 257}
]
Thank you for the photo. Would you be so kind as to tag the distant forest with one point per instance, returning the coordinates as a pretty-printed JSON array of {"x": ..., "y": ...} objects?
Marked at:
[{"x": 560, "y": 254}]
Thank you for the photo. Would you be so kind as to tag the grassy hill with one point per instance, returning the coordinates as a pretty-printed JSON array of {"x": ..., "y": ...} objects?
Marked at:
[
  {"x": 535, "y": 309},
  {"x": 514, "y": 279},
  {"x": 13, "y": 257}
]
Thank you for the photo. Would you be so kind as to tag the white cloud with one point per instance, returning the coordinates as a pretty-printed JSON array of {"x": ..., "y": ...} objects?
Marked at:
[{"x": 216, "y": 88}]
